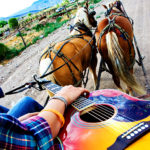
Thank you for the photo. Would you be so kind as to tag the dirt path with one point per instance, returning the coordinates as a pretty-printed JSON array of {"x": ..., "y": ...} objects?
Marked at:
[{"x": 21, "y": 68}]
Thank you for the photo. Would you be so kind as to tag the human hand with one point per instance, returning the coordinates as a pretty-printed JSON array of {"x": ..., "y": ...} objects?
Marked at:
[
  {"x": 71, "y": 93},
  {"x": 26, "y": 116}
]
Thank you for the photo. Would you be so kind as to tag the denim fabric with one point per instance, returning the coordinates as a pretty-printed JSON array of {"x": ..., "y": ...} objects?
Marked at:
[
  {"x": 3, "y": 109},
  {"x": 24, "y": 106}
]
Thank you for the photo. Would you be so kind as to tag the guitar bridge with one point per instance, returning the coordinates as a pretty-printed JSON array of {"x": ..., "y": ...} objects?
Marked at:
[{"x": 130, "y": 136}]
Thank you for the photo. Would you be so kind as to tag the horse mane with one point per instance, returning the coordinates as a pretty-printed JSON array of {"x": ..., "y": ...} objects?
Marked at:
[{"x": 82, "y": 26}]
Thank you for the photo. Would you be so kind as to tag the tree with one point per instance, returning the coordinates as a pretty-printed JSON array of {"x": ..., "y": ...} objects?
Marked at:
[
  {"x": 3, "y": 23},
  {"x": 13, "y": 24},
  {"x": 29, "y": 14}
]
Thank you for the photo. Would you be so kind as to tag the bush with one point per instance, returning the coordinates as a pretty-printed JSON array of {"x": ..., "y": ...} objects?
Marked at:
[
  {"x": 27, "y": 29},
  {"x": 48, "y": 31},
  {"x": 58, "y": 19},
  {"x": 29, "y": 14},
  {"x": 96, "y": 1},
  {"x": 38, "y": 27},
  {"x": 12, "y": 53},
  {"x": 3, "y": 23},
  {"x": 23, "y": 34},
  {"x": 3, "y": 51},
  {"x": 98, "y": 17},
  {"x": 13, "y": 23},
  {"x": 91, "y": 7},
  {"x": 35, "y": 39}
]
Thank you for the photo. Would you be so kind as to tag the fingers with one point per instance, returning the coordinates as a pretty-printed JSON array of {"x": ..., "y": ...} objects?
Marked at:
[{"x": 71, "y": 93}]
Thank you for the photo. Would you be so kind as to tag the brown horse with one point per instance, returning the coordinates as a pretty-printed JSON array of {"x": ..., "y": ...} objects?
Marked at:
[
  {"x": 114, "y": 38},
  {"x": 74, "y": 54}
]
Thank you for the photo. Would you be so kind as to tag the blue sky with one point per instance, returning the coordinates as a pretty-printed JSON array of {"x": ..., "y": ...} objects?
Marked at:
[{"x": 9, "y": 7}]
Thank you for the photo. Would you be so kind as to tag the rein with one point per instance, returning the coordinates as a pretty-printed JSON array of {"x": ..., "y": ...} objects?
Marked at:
[
  {"x": 66, "y": 59},
  {"x": 112, "y": 25}
]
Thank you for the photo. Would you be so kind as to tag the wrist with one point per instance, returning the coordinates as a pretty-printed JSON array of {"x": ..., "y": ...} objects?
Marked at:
[{"x": 60, "y": 98}]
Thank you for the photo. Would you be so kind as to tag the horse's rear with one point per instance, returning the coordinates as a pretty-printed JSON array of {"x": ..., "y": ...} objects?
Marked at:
[
  {"x": 114, "y": 38},
  {"x": 74, "y": 54}
]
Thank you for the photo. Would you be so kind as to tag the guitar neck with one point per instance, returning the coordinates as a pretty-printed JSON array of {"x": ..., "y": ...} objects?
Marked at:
[{"x": 80, "y": 104}]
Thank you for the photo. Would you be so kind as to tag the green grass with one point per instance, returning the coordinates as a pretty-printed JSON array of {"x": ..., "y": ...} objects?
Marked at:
[
  {"x": 38, "y": 27},
  {"x": 23, "y": 34},
  {"x": 35, "y": 39},
  {"x": 9, "y": 53}
]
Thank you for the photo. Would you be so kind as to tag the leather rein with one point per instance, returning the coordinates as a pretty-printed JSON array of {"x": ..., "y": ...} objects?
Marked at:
[
  {"x": 112, "y": 26},
  {"x": 65, "y": 58}
]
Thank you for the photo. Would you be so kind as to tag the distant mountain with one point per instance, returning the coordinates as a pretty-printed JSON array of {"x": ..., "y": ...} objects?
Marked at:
[{"x": 35, "y": 7}]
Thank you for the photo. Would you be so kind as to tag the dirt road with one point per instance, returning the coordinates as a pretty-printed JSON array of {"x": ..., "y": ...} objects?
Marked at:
[{"x": 20, "y": 70}]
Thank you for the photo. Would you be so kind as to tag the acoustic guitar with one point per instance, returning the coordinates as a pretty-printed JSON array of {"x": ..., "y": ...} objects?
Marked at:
[{"x": 107, "y": 120}]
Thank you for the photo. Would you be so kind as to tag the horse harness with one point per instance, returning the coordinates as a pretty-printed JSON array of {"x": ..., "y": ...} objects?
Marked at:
[
  {"x": 65, "y": 58},
  {"x": 112, "y": 25}
]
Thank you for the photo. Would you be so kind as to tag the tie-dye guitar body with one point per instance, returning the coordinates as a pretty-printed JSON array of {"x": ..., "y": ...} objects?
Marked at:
[{"x": 115, "y": 121}]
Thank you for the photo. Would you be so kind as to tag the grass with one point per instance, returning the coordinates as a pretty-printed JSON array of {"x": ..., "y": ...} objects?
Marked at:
[
  {"x": 32, "y": 33},
  {"x": 18, "y": 46}
]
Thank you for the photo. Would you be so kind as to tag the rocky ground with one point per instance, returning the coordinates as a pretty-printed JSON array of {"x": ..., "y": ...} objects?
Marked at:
[{"x": 21, "y": 69}]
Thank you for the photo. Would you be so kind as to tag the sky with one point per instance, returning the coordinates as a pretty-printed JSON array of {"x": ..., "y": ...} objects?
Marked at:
[{"x": 9, "y": 7}]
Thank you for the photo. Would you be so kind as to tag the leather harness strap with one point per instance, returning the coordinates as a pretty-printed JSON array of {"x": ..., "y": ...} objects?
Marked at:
[
  {"x": 65, "y": 58},
  {"x": 113, "y": 25}
]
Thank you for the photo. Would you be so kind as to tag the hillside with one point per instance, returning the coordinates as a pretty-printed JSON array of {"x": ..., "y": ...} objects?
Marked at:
[{"x": 35, "y": 7}]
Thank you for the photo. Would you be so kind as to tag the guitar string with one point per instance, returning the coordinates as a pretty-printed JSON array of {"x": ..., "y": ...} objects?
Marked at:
[
  {"x": 121, "y": 126},
  {"x": 110, "y": 111},
  {"x": 106, "y": 110},
  {"x": 104, "y": 124},
  {"x": 115, "y": 129},
  {"x": 127, "y": 118}
]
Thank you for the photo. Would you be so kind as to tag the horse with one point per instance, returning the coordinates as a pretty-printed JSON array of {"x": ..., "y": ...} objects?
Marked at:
[
  {"x": 73, "y": 55},
  {"x": 114, "y": 38}
]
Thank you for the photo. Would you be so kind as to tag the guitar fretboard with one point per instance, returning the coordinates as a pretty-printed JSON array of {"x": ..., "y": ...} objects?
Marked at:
[{"x": 80, "y": 104}]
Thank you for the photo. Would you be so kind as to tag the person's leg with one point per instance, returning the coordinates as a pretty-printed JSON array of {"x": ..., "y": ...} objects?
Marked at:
[
  {"x": 24, "y": 106},
  {"x": 3, "y": 109}
]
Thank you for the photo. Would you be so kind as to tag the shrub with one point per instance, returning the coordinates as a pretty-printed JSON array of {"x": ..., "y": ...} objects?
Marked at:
[
  {"x": 3, "y": 23},
  {"x": 29, "y": 14},
  {"x": 11, "y": 53},
  {"x": 98, "y": 17},
  {"x": 23, "y": 34},
  {"x": 52, "y": 15},
  {"x": 3, "y": 51},
  {"x": 13, "y": 23},
  {"x": 38, "y": 27},
  {"x": 96, "y": 1},
  {"x": 48, "y": 31},
  {"x": 35, "y": 39},
  {"x": 91, "y": 7},
  {"x": 58, "y": 19},
  {"x": 27, "y": 29}
]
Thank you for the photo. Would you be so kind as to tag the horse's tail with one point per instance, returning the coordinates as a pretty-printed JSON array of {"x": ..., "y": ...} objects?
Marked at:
[{"x": 115, "y": 53}]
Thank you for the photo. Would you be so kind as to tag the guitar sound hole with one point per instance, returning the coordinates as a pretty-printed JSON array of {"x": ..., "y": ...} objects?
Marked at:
[{"x": 97, "y": 113}]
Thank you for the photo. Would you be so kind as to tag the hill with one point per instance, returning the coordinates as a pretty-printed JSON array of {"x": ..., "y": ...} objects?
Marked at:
[{"x": 35, "y": 7}]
